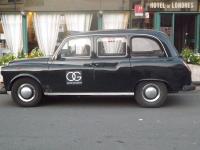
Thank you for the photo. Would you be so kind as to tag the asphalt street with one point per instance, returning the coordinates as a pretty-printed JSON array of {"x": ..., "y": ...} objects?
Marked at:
[{"x": 101, "y": 123}]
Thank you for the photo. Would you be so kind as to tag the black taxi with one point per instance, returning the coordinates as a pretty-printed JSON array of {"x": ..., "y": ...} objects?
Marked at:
[{"x": 139, "y": 63}]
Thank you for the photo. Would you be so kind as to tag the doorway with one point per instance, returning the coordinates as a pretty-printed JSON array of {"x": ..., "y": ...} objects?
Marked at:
[{"x": 184, "y": 31}]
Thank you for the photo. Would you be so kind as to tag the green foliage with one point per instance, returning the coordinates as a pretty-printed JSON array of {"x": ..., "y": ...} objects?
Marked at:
[
  {"x": 190, "y": 57},
  {"x": 6, "y": 59},
  {"x": 1, "y": 61},
  {"x": 22, "y": 55},
  {"x": 36, "y": 52}
]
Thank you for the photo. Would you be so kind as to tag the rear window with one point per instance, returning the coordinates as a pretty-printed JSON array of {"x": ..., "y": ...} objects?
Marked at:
[{"x": 144, "y": 46}]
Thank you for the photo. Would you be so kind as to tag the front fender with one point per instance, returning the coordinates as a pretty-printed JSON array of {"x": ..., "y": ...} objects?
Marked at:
[{"x": 22, "y": 76}]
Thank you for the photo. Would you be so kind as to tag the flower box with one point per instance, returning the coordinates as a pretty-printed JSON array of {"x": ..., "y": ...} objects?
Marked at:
[{"x": 195, "y": 69}]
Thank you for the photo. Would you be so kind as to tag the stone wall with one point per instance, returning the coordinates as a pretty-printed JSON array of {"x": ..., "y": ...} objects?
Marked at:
[{"x": 77, "y": 5}]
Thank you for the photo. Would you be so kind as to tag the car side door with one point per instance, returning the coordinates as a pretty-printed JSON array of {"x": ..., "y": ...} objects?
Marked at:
[
  {"x": 112, "y": 65},
  {"x": 149, "y": 60},
  {"x": 72, "y": 70}
]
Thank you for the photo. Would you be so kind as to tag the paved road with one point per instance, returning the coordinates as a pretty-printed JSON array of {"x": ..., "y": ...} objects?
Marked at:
[{"x": 91, "y": 123}]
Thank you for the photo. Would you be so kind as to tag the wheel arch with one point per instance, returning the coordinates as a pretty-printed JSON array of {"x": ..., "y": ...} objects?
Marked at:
[
  {"x": 155, "y": 80},
  {"x": 23, "y": 76}
]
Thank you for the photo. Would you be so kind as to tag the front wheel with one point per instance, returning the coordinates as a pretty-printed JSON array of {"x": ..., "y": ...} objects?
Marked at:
[
  {"x": 151, "y": 94},
  {"x": 26, "y": 92}
]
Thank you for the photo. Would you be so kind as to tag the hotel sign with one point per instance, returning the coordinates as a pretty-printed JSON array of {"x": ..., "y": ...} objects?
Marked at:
[{"x": 172, "y": 5}]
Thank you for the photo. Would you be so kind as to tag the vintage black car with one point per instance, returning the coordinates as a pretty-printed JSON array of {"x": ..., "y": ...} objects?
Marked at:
[{"x": 139, "y": 63}]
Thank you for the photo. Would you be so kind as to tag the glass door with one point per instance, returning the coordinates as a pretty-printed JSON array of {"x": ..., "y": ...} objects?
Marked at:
[
  {"x": 167, "y": 25},
  {"x": 185, "y": 31}
]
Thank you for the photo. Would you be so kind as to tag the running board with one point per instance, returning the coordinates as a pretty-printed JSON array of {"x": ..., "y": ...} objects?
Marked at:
[{"x": 92, "y": 94}]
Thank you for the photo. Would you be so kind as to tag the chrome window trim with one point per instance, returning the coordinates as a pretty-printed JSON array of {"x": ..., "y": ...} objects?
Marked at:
[
  {"x": 91, "y": 93},
  {"x": 123, "y": 34}
]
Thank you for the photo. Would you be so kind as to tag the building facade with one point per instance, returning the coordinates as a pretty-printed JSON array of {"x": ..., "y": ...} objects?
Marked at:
[{"x": 40, "y": 20}]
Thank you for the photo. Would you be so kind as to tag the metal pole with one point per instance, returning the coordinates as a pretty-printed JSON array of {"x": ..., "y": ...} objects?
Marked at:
[{"x": 15, "y": 5}]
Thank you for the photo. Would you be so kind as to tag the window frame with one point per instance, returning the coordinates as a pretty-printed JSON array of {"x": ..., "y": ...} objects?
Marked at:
[
  {"x": 158, "y": 41},
  {"x": 113, "y": 36},
  {"x": 78, "y": 57}
]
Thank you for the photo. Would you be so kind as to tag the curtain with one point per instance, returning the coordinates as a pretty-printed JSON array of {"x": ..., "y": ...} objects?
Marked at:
[
  {"x": 113, "y": 45},
  {"x": 115, "y": 20},
  {"x": 78, "y": 21},
  {"x": 12, "y": 28},
  {"x": 47, "y": 27}
]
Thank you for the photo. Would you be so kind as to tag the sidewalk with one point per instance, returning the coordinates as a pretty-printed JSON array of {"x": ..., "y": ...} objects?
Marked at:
[{"x": 2, "y": 89}]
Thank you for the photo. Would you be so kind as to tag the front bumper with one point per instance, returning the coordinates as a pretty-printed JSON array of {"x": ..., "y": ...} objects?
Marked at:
[{"x": 189, "y": 87}]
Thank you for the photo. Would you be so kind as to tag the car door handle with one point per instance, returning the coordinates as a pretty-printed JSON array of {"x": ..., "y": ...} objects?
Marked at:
[
  {"x": 92, "y": 65},
  {"x": 95, "y": 64},
  {"x": 88, "y": 65}
]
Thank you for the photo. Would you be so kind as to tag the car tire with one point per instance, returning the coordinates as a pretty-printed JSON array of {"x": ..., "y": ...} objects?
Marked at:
[
  {"x": 26, "y": 92},
  {"x": 151, "y": 94}
]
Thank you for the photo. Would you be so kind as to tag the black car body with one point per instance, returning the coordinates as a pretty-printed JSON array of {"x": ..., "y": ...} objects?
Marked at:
[{"x": 114, "y": 62}]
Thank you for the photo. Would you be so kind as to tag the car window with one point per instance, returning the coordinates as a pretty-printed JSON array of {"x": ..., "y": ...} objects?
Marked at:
[
  {"x": 111, "y": 46},
  {"x": 79, "y": 47},
  {"x": 143, "y": 46}
]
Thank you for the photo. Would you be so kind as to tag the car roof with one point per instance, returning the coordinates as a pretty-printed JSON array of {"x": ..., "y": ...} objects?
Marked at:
[{"x": 120, "y": 31}]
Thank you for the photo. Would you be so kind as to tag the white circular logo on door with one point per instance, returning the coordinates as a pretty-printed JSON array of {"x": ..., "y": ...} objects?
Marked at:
[{"x": 73, "y": 76}]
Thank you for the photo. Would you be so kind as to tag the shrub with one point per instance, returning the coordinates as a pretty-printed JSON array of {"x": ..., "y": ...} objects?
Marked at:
[
  {"x": 190, "y": 57},
  {"x": 36, "y": 52},
  {"x": 6, "y": 59},
  {"x": 1, "y": 61}
]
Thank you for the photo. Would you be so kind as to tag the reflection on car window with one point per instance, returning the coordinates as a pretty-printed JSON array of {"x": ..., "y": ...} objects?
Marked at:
[
  {"x": 77, "y": 48},
  {"x": 111, "y": 46},
  {"x": 142, "y": 46}
]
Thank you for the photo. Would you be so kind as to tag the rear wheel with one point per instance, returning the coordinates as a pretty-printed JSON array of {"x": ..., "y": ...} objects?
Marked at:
[
  {"x": 26, "y": 92},
  {"x": 151, "y": 94}
]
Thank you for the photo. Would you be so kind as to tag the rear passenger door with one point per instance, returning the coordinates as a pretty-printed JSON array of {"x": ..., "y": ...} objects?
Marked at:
[
  {"x": 112, "y": 65},
  {"x": 149, "y": 59}
]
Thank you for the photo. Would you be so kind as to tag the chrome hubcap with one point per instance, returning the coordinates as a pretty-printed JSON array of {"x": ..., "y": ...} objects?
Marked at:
[
  {"x": 26, "y": 92},
  {"x": 151, "y": 92}
]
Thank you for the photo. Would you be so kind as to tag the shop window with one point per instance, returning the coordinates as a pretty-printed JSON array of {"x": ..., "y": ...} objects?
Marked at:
[
  {"x": 94, "y": 23},
  {"x": 62, "y": 31},
  {"x": 3, "y": 47},
  {"x": 166, "y": 24},
  {"x": 143, "y": 22},
  {"x": 15, "y": 1},
  {"x": 32, "y": 39},
  {"x": 141, "y": 17}
]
